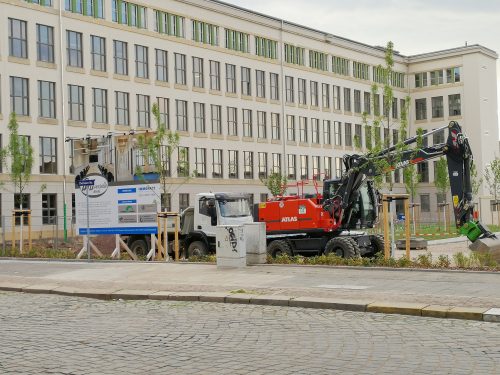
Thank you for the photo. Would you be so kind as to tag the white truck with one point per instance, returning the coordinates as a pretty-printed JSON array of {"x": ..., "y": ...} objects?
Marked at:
[{"x": 197, "y": 223}]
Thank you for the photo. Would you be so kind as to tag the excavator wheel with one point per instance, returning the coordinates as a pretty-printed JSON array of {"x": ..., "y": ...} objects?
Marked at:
[
  {"x": 342, "y": 247},
  {"x": 279, "y": 247},
  {"x": 355, "y": 245},
  {"x": 378, "y": 244}
]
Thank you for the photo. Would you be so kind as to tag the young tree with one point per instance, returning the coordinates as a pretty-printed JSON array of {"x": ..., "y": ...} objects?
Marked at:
[
  {"x": 476, "y": 181},
  {"x": 492, "y": 178},
  {"x": 157, "y": 148},
  {"x": 20, "y": 154},
  {"x": 276, "y": 183},
  {"x": 442, "y": 181}
]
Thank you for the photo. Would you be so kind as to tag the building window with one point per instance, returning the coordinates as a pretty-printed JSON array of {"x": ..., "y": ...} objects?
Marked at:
[
  {"x": 454, "y": 104},
  {"x": 318, "y": 60},
  {"x": 423, "y": 171},
  {"x": 453, "y": 75},
  {"x": 437, "y": 107},
  {"x": 170, "y": 24},
  {"x": 326, "y": 95},
  {"x": 121, "y": 57},
  {"x": 217, "y": 164},
  {"x": 231, "y": 78},
  {"x": 45, "y": 3},
  {"x": 164, "y": 110},
  {"x": 315, "y": 130},
  {"x": 205, "y": 33},
  {"x": 23, "y": 200},
  {"x": 327, "y": 132},
  {"x": 247, "y": 123},
  {"x": 275, "y": 126},
  {"x": 93, "y": 8},
  {"x": 233, "y": 164},
  {"x": 340, "y": 65},
  {"x": 348, "y": 134},
  {"x": 166, "y": 202},
  {"x": 302, "y": 129},
  {"x": 294, "y": 55},
  {"x": 182, "y": 161},
  {"x": 395, "y": 108},
  {"x": 237, "y": 41},
  {"x": 130, "y": 14},
  {"x": 76, "y": 103},
  {"x": 438, "y": 137},
  {"x": 262, "y": 165},
  {"x": 214, "y": 75},
  {"x": 266, "y": 48},
  {"x": 276, "y": 167},
  {"x": 141, "y": 62},
  {"x": 292, "y": 169},
  {"x": 248, "y": 165},
  {"x": 74, "y": 48},
  {"x": 143, "y": 110},
  {"x": 338, "y": 167},
  {"x": 48, "y": 155},
  {"x": 316, "y": 172},
  {"x": 357, "y": 101},
  {"x": 360, "y": 70},
  {"x": 198, "y": 80},
  {"x": 421, "y": 79},
  {"x": 358, "y": 135},
  {"x": 181, "y": 114},
  {"x": 260, "y": 79},
  {"x": 347, "y": 99},
  {"x": 436, "y": 77},
  {"x": 336, "y": 98},
  {"x": 421, "y": 109},
  {"x": 327, "y": 167},
  {"x": 289, "y": 89},
  {"x": 367, "y": 103},
  {"x": 314, "y": 94},
  {"x": 183, "y": 201},
  {"x": 122, "y": 108},
  {"x": 302, "y": 83},
  {"x": 246, "y": 86},
  {"x": 304, "y": 168},
  {"x": 199, "y": 117},
  {"x": 161, "y": 65},
  {"x": 200, "y": 162},
  {"x": 337, "y": 133},
  {"x": 45, "y": 43},
  {"x": 216, "y": 119},
  {"x": 46, "y": 99},
  {"x": 180, "y": 68},
  {"x": 425, "y": 204},
  {"x": 290, "y": 128},
  {"x": 98, "y": 53},
  {"x": 18, "y": 38},
  {"x": 376, "y": 104},
  {"x": 232, "y": 121},
  {"x": 100, "y": 105},
  {"x": 274, "y": 86},
  {"x": 261, "y": 124}
]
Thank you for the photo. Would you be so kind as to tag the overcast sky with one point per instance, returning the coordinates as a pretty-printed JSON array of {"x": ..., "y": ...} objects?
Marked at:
[{"x": 415, "y": 26}]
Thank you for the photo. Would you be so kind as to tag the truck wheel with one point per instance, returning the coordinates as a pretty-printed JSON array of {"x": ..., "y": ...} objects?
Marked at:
[
  {"x": 139, "y": 247},
  {"x": 341, "y": 247},
  {"x": 279, "y": 247},
  {"x": 355, "y": 245},
  {"x": 197, "y": 249},
  {"x": 377, "y": 243}
]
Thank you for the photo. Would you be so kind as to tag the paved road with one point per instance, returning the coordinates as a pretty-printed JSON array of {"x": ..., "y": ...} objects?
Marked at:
[{"x": 66, "y": 335}]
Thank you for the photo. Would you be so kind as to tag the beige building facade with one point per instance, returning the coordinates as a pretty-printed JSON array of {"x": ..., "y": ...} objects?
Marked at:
[{"x": 249, "y": 94}]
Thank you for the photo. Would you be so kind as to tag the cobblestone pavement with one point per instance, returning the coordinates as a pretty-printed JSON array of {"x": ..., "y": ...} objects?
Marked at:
[{"x": 65, "y": 335}]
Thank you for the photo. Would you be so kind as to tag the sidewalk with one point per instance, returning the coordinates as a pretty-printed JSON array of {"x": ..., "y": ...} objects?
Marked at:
[{"x": 452, "y": 294}]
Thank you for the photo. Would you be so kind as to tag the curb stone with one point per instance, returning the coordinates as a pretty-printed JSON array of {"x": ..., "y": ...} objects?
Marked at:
[{"x": 435, "y": 311}]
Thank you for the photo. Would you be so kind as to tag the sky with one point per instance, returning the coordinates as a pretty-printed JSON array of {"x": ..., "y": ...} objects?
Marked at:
[{"x": 414, "y": 26}]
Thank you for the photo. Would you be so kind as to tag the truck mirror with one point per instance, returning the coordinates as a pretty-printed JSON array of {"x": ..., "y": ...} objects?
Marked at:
[{"x": 211, "y": 203}]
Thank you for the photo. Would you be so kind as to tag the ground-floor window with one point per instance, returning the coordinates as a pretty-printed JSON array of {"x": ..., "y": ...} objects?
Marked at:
[{"x": 49, "y": 208}]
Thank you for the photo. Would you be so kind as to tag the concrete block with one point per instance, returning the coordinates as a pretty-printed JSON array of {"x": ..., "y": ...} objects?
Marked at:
[
  {"x": 238, "y": 298},
  {"x": 131, "y": 294},
  {"x": 416, "y": 243},
  {"x": 212, "y": 297},
  {"x": 270, "y": 300},
  {"x": 469, "y": 313},
  {"x": 256, "y": 259},
  {"x": 403, "y": 308},
  {"x": 329, "y": 303},
  {"x": 492, "y": 315},
  {"x": 223, "y": 262},
  {"x": 436, "y": 311},
  {"x": 487, "y": 246},
  {"x": 184, "y": 296}
]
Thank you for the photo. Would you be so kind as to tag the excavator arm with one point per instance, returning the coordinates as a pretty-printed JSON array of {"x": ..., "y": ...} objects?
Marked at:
[{"x": 458, "y": 154}]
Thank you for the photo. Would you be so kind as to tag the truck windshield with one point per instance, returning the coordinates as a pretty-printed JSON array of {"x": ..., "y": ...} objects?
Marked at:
[{"x": 234, "y": 207}]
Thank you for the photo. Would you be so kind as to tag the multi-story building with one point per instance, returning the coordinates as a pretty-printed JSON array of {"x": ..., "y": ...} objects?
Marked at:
[{"x": 249, "y": 95}]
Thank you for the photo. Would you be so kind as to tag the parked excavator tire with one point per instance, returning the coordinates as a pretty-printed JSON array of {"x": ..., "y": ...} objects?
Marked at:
[
  {"x": 377, "y": 241},
  {"x": 342, "y": 247},
  {"x": 279, "y": 247},
  {"x": 355, "y": 245}
]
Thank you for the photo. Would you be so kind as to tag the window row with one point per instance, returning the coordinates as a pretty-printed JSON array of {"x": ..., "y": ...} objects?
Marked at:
[
  {"x": 437, "y": 107},
  {"x": 436, "y": 77}
]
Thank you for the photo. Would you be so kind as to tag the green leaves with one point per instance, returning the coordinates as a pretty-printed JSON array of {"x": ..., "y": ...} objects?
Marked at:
[
  {"x": 492, "y": 177},
  {"x": 276, "y": 183}
]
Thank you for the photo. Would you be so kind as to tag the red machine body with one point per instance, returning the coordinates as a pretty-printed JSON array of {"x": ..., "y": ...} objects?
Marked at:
[{"x": 293, "y": 214}]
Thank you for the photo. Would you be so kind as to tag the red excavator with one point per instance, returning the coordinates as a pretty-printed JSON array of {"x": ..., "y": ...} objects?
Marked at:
[{"x": 330, "y": 222}]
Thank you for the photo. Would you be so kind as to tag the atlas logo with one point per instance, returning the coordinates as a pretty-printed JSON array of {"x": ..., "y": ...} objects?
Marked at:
[
  {"x": 402, "y": 164},
  {"x": 291, "y": 219}
]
